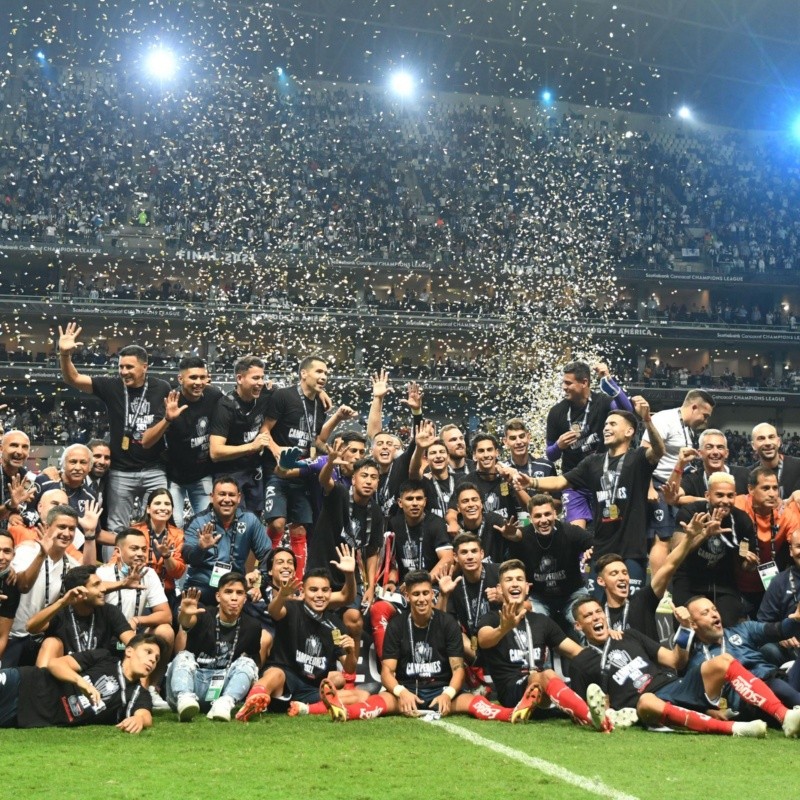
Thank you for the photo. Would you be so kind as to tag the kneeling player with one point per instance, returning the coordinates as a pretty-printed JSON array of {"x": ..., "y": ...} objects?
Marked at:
[
  {"x": 515, "y": 645},
  {"x": 423, "y": 668},
  {"x": 638, "y": 673},
  {"x": 308, "y": 641}
]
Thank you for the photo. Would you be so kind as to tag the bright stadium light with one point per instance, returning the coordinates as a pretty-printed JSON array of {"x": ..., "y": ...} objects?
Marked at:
[
  {"x": 40, "y": 55},
  {"x": 547, "y": 97},
  {"x": 402, "y": 84},
  {"x": 796, "y": 128},
  {"x": 684, "y": 112},
  {"x": 161, "y": 63}
]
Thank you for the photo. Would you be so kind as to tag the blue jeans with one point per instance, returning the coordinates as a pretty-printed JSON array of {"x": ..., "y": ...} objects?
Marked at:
[
  {"x": 559, "y": 609},
  {"x": 184, "y": 675},
  {"x": 124, "y": 488},
  {"x": 199, "y": 494}
]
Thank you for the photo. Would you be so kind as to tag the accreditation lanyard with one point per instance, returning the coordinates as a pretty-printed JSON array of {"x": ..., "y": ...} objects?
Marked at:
[
  {"x": 442, "y": 502},
  {"x": 473, "y": 609},
  {"x": 136, "y": 609},
  {"x": 359, "y": 544},
  {"x": 603, "y": 654},
  {"x": 611, "y": 500},
  {"x": 311, "y": 422},
  {"x": 687, "y": 436},
  {"x": 773, "y": 532},
  {"x": 625, "y": 610},
  {"x": 130, "y": 426},
  {"x": 793, "y": 585},
  {"x": 123, "y": 692},
  {"x": 218, "y": 640},
  {"x": 418, "y": 561},
  {"x": 47, "y": 579},
  {"x": 722, "y": 649},
  {"x": 90, "y": 637}
]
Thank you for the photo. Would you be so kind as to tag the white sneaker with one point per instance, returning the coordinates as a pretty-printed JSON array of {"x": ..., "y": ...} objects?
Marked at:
[
  {"x": 159, "y": 704},
  {"x": 188, "y": 707},
  {"x": 791, "y": 723},
  {"x": 622, "y": 717},
  {"x": 221, "y": 709},
  {"x": 757, "y": 729}
]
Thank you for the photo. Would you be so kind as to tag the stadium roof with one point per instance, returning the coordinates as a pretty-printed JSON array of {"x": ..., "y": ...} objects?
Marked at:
[{"x": 734, "y": 61}]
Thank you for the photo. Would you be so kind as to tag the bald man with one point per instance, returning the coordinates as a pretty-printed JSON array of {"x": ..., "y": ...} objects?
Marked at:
[
  {"x": 16, "y": 481},
  {"x": 766, "y": 444}
]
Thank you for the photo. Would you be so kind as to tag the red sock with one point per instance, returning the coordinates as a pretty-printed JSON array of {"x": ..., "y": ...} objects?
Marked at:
[
  {"x": 275, "y": 535},
  {"x": 567, "y": 700},
  {"x": 380, "y": 613},
  {"x": 694, "y": 721},
  {"x": 317, "y": 708},
  {"x": 754, "y": 691},
  {"x": 375, "y": 706},
  {"x": 481, "y": 708},
  {"x": 297, "y": 541},
  {"x": 349, "y": 680}
]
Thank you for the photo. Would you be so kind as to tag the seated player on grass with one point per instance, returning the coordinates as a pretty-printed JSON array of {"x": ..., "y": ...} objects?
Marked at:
[
  {"x": 423, "y": 668},
  {"x": 516, "y": 645},
  {"x": 308, "y": 641},
  {"x": 88, "y": 688},
  {"x": 218, "y": 653},
  {"x": 638, "y": 673}
]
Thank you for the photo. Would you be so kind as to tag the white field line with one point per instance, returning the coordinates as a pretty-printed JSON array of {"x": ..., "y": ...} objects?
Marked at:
[{"x": 596, "y": 787}]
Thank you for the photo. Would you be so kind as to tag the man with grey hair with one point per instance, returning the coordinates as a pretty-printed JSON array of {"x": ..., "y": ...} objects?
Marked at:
[
  {"x": 712, "y": 448},
  {"x": 767, "y": 447}
]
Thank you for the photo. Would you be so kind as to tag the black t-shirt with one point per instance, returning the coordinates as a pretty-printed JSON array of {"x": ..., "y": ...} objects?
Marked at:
[
  {"x": 438, "y": 493},
  {"x": 217, "y": 646},
  {"x": 509, "y": 661},
  {"x": 534, "y": 467},
  {"x": 552, "y": 563},
  {"x": 141, "y": 408},
  {"x": 467, "y": 469},
  {"x": 415, "y": 546},
  {"x": 639, "y": 613},
  {"x": 563, "y": 415},
  {"x": 304, "y": 642},
  {"x": 423, "y": 654},
  {"x": 495, "y": 547},
  {"x": 45, "y": 701},
  {"x": 187, "y": 437},
  {"x": 392, "y": 479},
  {"x": 342, "y": 521},
  {"x": 497, "y": 493},
  {"x": 468, "y": 603},
  {"x": 239, "y": 421},
  {"x": 77, "y": 497},
  {"x": 298, "y": 421},
  {"x": 712, "y": 565},
  {"x": 9, "y": 606},
  {"x": 100, "y": 629},
  {"x": 694, "y": 481},
  {"x": 629, "y": 669},
  {"x": 627, "y": 534}
]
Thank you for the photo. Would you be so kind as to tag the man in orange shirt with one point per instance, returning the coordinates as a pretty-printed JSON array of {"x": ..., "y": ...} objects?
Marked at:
[{"x": 773, "y": 520}]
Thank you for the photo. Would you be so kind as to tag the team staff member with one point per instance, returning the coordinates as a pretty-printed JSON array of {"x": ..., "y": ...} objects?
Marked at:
[
  {"x": 9, "y": 593},
  {"x": 780, "y": 600},
  {"x": 767, "y": 447},
  {"x": 222, "y": 540},
  {"x": 575, "y": 429},
  {"x": 131, "y": 400},
  {"x": 678, "y": 427},
  {"x": 98, "y": 476},
  {"x": 620, "y": 480},
  {"x": 456, "y": 445},
  {"x": 236, "y": 440},
  {"x": 16, "y": 482},
  {"x": 218, "y": 653},
  {"x": 184, "y": 421},
  {"x": 88, "y": 688}
]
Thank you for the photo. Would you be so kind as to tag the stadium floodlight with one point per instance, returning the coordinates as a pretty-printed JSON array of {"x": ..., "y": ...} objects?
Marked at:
[
  {"x": 684, "y": 112},
  {"x": 796, "y": 128},
  {"x": 402, "y": 84},
  {"x": 40, "y": 55},
  {"x": 547, "y": 97},
  {"x": 161, "y": 63}
]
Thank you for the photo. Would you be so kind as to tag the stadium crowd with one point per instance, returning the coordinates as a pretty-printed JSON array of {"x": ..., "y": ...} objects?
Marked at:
[{"x": 279, "y": 542}]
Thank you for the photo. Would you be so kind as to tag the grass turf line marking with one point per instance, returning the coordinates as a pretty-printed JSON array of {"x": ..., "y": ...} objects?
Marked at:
[{"x": 553, "y": 770}]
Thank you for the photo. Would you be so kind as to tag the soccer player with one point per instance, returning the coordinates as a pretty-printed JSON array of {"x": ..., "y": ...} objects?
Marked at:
[
  {"x": 439, "y": 480},
  {"x": 218, "y": 654},
  {"x": 87, "y": 688},
  {"x": 9, "y": 593},
  {"x": 467, "y": 515},
  {"x": 517, "y": 440},
  {"x": 456, "y": 446}
]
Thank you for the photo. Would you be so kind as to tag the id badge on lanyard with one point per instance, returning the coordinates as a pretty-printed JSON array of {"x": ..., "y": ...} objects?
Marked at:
[
  {"x": 767, "y": 572},
  {"x": 220, "y": 568},
  {"x": 215, "y": 687}
]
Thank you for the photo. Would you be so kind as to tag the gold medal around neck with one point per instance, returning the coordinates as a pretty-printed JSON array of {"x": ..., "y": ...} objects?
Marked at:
[
  {"x": 126, "y": 442},
  {"x": 576, "y": 428},
  {"x": 504, "y": 489},
  {"x": 613, "y": 511},
  {"x": 337, "y": 636},
  {"x": 473, "y": 643}
]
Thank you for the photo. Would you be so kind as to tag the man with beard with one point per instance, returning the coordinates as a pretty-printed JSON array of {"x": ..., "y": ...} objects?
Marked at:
[
  {"x": 183, "y": 419},
  {"x": 131, "y": 400},
  {"x": 677, "y": 428},
  {"x": 237, "y": 440},
  {"x": 98, "y": 477},
  {"x": 636, "y": 672},
  {"x": 767, "y": 448},
  {"x": 456, "y": 446},
  {"x": 551, "y": 551},
  {"x": 575, "y": 429},
  {"x": 725, "y": 542},
  {"x": 222, "y": 540},
  {"x": 773, "y": 520},
  {"x": 218, "y": 653}
]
